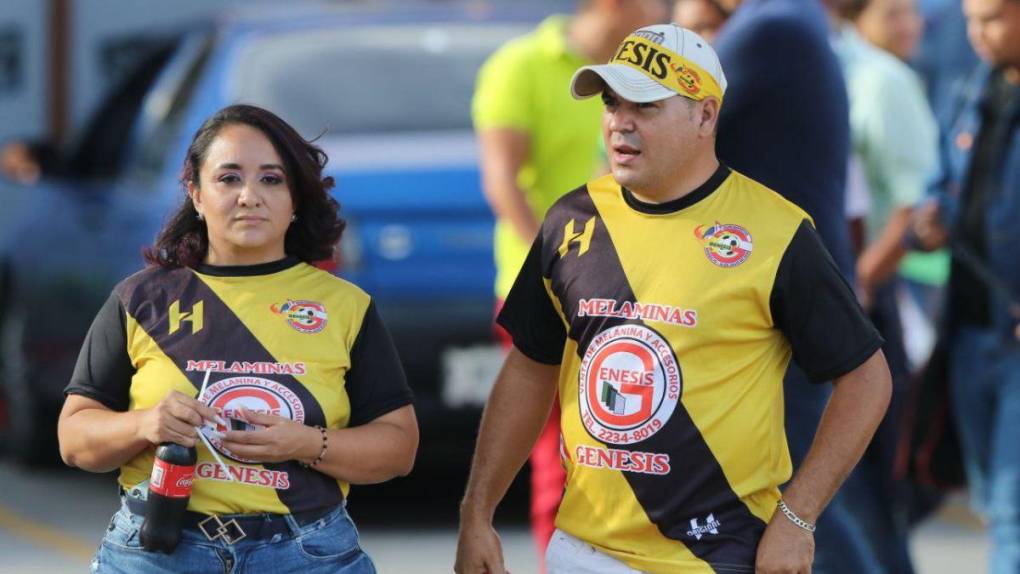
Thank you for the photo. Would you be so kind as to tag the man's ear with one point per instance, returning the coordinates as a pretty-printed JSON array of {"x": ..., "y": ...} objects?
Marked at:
[{"x": 709, "y": 116}]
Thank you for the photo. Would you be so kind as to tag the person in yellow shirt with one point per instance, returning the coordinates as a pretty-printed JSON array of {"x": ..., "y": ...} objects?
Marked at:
[
  {"x": 663, "y": 303},
  {"x": 231, "y": 338},
  {"x": 537, "y": 143}
]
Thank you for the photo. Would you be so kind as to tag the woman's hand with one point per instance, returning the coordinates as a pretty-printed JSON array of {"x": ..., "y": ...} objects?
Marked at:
[
  {"x": 174, "y": 420},
  {"x": 282, "y": 439}
]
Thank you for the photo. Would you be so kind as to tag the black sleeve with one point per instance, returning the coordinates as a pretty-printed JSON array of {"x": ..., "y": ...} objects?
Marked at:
[
  {"x": 529, "y": 316},
  {"x": 375, "y": 383},
  {"x": 817, "y": 311},
  {"x": 104, "y": 370}
]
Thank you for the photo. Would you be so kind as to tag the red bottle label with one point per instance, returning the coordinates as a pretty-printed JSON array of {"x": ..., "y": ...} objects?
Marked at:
[{"x": 171, "y": 480}]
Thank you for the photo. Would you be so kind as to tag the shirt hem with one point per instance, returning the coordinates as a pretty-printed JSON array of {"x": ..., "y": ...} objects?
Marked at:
[
  {"x": 88, "y": 393},
  {"x": 384, "y": 408},
  {"x": 850, "y": 364}
]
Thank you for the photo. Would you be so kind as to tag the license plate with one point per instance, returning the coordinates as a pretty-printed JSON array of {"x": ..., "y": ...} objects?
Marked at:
[{"x": 468, "y": 374}]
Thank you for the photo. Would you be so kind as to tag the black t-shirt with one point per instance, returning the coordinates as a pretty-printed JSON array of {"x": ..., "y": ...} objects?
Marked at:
[{"x": 970, "y": 293}]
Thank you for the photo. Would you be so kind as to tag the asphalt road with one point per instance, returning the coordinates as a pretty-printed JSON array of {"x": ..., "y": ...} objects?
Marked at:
[{"x": 52, "y": 520}]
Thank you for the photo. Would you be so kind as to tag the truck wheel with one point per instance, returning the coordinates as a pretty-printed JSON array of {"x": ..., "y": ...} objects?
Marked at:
[{"x": 29, "y": 438}]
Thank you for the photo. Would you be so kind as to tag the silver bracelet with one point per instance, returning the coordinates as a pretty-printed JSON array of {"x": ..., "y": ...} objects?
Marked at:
[{"x": 794, "y": 518}]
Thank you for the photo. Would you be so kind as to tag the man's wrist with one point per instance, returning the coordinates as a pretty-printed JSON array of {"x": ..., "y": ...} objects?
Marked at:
[
  {"x": 473, "y": 511},
  {"x": 800, "y": 521}
]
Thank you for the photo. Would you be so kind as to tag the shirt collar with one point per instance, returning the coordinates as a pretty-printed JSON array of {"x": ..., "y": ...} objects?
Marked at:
[
  {"x": 696, "y": 195},
  {"x": 247, "y": 270}
]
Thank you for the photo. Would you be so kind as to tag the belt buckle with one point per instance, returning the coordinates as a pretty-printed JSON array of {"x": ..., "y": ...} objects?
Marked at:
[{"x": 230, "y": 531}]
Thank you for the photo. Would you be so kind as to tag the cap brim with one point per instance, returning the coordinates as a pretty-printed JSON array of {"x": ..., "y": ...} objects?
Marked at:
[{"x": 627, "y": 82}]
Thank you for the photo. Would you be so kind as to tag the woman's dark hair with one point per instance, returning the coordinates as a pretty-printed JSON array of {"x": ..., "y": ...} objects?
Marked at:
[{"x": 184, "y": 240}]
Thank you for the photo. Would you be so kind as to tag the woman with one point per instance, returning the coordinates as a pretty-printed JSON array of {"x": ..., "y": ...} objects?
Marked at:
[
  {"x": 297, "y": 358},
  {"x": 892, "y": 25}
]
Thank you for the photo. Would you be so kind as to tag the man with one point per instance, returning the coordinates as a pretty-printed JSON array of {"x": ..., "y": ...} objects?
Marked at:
[
  {"x": 536, "y": 144},
  {"x": 975, "y": 212},
  {"x": 666, "y": 300}
]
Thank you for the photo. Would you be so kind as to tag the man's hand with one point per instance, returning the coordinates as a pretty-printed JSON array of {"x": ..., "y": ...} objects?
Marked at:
[
  {"x": 928, "y": 227},
  {"x": 785, "y": 548},
  {"x": 479, "y": 550}
]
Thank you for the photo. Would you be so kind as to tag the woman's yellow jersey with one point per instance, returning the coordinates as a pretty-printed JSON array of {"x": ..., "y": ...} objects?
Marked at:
[{"x": 283, "y": 338}]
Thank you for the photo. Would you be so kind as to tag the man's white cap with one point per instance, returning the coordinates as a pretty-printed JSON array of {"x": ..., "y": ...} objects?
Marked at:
[{"x": 655, "y": 63}]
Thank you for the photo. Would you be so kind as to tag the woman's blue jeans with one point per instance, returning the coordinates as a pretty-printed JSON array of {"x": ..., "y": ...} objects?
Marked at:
[{"x": 328, "y": 545}]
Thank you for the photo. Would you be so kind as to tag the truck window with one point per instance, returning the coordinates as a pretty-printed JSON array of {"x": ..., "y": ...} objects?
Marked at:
[{"x": 375, "y": 79}]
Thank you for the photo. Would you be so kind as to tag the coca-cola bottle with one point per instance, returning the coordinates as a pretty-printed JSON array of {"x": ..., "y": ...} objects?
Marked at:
[{"x": 169, "y": 492}]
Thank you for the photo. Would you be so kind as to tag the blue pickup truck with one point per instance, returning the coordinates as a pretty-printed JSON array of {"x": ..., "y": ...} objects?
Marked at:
[{"x": 386, "y": 92}]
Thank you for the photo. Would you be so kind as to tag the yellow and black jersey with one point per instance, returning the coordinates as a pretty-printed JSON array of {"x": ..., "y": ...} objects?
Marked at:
[
  {"x": 674, "y": 324},
  {"x": 283, "y": 338}
]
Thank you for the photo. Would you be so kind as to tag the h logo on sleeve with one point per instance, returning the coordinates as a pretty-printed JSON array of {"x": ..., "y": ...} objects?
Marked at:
[
  {"x": 583, "y": 239},
  {"x": 177, "y": 317}
]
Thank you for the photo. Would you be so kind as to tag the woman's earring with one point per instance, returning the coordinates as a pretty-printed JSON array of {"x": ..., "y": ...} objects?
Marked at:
[
  {"x": 293, "y": 217},
  {"x": 200, "y": 217}
]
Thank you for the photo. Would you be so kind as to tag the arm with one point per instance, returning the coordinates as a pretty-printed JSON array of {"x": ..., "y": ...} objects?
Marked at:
[
  {"x": 859, "y": 401},
  {"x": 382, "y": 437},
  {"x": 880, "y": 260},
  {"x": 374, "y": 452},
  {"x": 504, "y": 152},
  {"x": 901, "y": 144},
  {"x": 96, "y": 438},
  {"x": 514, "y": 415},
  {"x": 928, "y": 229},
  {"x": 382, "y": 449},
  {"x": 502, "y": 110}
]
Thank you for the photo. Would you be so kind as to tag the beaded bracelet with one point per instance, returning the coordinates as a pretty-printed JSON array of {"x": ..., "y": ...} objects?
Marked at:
[
  {"x": 322, "y": 453},
  {"x": 794, "y": 518}
]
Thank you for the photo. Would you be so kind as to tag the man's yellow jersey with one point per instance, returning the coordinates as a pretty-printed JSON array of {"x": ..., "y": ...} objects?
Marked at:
[{"x": 673, "y": 325}]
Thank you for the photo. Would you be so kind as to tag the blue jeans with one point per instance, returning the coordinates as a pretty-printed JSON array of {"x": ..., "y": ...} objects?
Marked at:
[
  {"x": 328, "y": 545},
  {"x": 985, "y": 372}
]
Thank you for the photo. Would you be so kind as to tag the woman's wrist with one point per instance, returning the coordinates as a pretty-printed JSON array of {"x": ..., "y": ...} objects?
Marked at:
[
  {"x": 138, "y": 428},
  {"x": 315, "y": 446}
]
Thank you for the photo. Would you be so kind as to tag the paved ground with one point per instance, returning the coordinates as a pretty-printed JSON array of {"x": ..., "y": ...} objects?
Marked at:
[{"x": 51, "y": 522}]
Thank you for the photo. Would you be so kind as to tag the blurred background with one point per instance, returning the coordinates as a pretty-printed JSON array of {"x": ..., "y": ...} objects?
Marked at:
[{"x": 98, "y": 101}]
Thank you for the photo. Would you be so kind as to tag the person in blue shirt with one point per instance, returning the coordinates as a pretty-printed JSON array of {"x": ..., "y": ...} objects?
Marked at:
[
  {"x": 974, "y": 209},
  {"x": 786, "y": 124}
]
